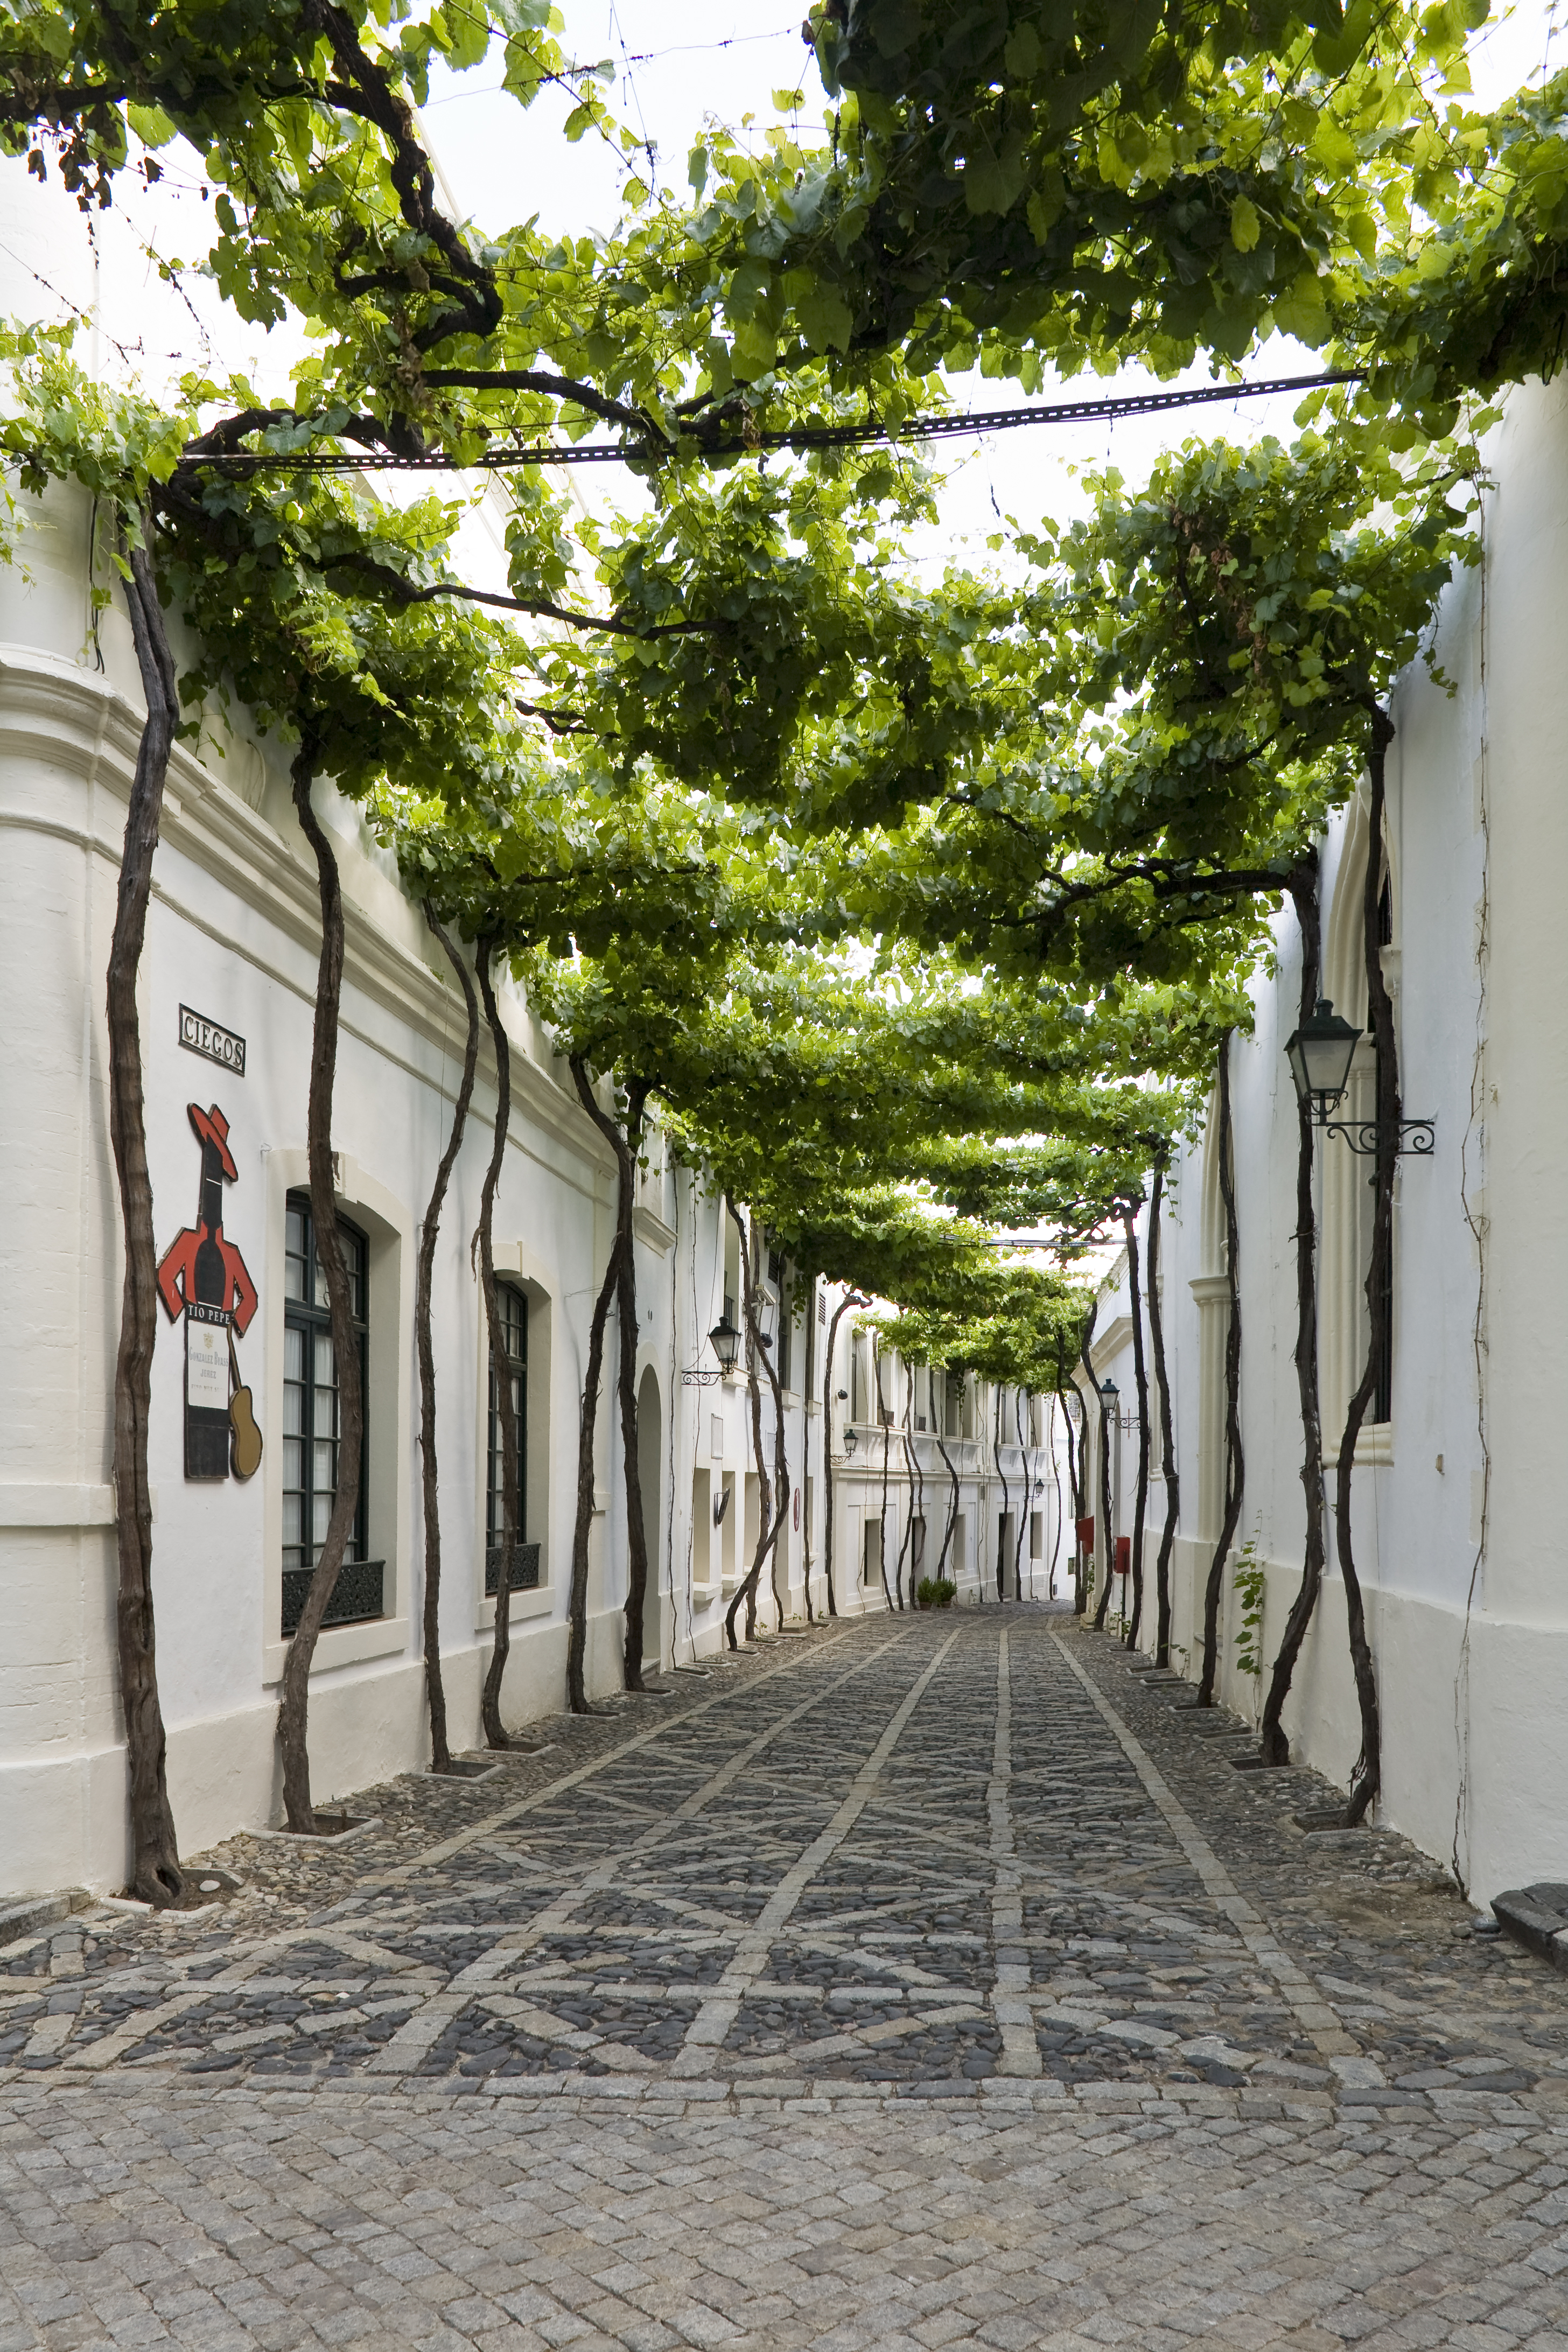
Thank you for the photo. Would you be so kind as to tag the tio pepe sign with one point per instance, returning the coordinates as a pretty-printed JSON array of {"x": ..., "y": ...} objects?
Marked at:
[{"x": 200, "y": 1035}]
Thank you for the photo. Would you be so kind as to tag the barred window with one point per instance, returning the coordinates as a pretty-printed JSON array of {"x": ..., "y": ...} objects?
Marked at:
[
  {"x": 512, "y": 1304},
  {"x": 311, "y": 1421}
]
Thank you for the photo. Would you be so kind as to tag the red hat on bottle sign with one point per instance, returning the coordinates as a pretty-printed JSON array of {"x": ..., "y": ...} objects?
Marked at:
[{"x": 213, "y": 1128}]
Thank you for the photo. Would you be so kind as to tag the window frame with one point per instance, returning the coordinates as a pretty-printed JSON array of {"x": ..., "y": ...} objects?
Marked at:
[
  {"x": 309, "y": 1316},
  {"x": 525, "y": 1562}
]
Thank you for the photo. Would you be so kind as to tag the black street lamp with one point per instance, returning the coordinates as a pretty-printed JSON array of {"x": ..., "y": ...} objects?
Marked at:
[
  {"x": 725, "y": 1341},
  {"x": 1320, "y": 1053}
]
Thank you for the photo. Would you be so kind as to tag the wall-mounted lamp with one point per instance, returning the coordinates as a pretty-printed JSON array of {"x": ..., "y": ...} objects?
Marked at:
[
  {"x": 851, "y": 1441},
  {"x": 1109, "y": 1393},
  {"x": 724, "y": 1340},
  {"x": 1320, "y": 1053}
]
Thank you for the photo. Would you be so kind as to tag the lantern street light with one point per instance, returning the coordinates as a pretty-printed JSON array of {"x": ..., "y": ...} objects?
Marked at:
[
  {"x": 1110, "y": 1398},
  {"x": 724, "y": 1340},
  {"x": 1320, "y": 1053}
]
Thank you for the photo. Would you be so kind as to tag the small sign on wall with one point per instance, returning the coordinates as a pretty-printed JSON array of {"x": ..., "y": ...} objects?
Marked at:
[{"x": 200, "y": 1035}]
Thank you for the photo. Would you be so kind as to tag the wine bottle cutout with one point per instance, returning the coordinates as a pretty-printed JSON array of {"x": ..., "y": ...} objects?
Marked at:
[{"x": 203, "y": 1276}]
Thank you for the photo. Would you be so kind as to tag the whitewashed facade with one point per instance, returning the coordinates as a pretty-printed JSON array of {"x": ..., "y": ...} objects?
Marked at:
[
  {"x": 232, "y": 943},
  {"x": 1459, "y": 1514}
]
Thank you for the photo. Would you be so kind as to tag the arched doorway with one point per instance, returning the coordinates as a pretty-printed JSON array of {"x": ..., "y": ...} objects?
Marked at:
[{"x": 650, "y": 1453}]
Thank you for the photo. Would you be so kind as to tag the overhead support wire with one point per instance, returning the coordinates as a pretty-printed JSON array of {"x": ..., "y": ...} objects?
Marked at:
[{"x": 800, "y": 439}]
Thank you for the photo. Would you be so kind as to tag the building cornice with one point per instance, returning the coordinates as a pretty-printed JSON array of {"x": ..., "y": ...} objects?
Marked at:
[{"x": 72, "y": 721}]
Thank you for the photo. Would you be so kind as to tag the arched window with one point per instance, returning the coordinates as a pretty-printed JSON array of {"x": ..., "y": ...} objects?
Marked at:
[
  {"x": 310, "y": 1410},
  {"x": 512, "y": 1303}
]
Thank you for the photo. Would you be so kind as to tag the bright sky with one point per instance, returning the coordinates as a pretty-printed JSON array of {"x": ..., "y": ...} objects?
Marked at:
[
  {"x": 726, "y": 62},
  {"x": 504, "y": 166}
]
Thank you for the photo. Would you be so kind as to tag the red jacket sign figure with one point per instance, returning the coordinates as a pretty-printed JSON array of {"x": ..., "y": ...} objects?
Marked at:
[{"x": 203, "y": 1276}]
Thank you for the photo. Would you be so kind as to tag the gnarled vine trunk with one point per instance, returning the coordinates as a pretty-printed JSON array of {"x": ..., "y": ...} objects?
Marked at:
[
  {"x": 1234, "y": 1464},
  {"x": 918, "y": 1490},
  {"x": 806, "y": 1559},
  {"x": 1084, "y": 1586},
  {"x": 1167, "y": 1430},
  {"x": 851, "y": 1298},
  {"x": 1077, "y": 1472},
  {"x": 155, "y": 1874},
  {"x": 1001, "y": 1472},
  {"x": 940, "y": 1437},
  {"x": 1021, "y": 1425},
  {"x": 907, "y": 1542},
  {"x": 1108, "y": 1535},
  {"x": 626, "y": 1144},
  {"x": 495, "y": 1730},
  {"x": 766, "y": 1530},
  {"x": 583, "y": 1519},
  {"x": 1367, "y": 1777},
  {"x": 293, "y": 1708},
  {"x": 434, "y": 1688},
  {"x": 1273, "y": 1746},
  {"x": 615, "y": 1284},
  {"x": 782, "y": 1488},
  {"x": 1141, "y": 1384},
  {"x": 883, "y": 1432},
  {"x": 1056, "y": 1495}
]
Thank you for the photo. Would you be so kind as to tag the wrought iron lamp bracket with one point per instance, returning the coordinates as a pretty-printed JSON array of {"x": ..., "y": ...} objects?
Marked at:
[
  {"x": 1416, "y": 1139},
  {"x": 700, "y": 1379}
]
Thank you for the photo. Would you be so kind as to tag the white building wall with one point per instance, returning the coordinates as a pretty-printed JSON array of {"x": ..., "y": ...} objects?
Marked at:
[
  {"x": 1470, "y": 1637},
  {"x": 972, "y": 1562}
]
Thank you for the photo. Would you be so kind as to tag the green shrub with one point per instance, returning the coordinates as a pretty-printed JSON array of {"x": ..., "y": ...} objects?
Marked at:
[
  {"x": 1249, "y": 1581},
  {"x": 935, "y": 1592}
]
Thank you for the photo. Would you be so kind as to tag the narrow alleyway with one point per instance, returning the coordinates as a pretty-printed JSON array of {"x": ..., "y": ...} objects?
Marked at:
[{"x": 925, "y": 1980}]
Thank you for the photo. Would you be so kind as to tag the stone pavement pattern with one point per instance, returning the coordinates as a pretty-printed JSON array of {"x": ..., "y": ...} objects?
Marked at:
[{"x": 932, "y": 1980}]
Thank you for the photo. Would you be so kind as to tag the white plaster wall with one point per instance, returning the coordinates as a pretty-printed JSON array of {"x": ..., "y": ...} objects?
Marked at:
[
  {"x": 233, "y": 931},
  {"x": 1469, "y": 1641}
]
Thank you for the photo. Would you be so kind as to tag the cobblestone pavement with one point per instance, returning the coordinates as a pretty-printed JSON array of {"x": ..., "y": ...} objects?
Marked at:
[{"x": 926, "y": 1980}]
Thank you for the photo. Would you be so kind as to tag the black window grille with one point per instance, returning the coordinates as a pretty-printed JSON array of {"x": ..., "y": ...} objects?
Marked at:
[
  {"x": 311, "y": 1423},
  {"x": 512, "y": 1304},
  {"x": 786, "y": 1336}
]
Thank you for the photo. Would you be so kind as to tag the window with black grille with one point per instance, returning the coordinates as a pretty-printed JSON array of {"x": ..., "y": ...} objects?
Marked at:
[
  {"x": 512, "y": 1304},
  {"x": 311, "y": 1423}
]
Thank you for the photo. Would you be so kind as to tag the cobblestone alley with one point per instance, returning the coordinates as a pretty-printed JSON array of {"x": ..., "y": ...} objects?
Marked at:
[{"x": 925, "y": 1980}]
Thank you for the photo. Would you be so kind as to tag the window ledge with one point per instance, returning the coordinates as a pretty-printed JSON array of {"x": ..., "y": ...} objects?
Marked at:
[
  {"x": 534, "y": 1600},
  {"x": 342, "y": 1645},
  {"x": 650, "y": 1229},
  {"x": 704, "y": 1595},
  {"x": 1375, "y": 1444}
]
